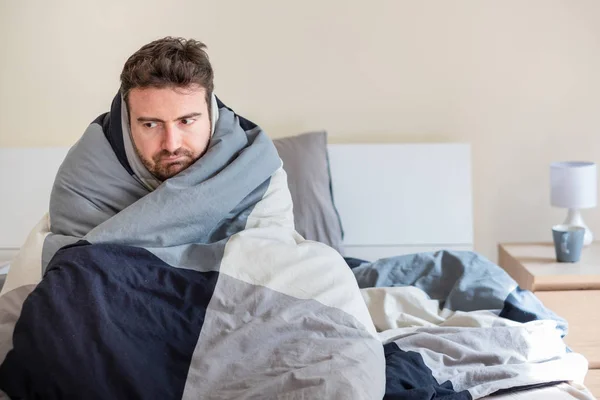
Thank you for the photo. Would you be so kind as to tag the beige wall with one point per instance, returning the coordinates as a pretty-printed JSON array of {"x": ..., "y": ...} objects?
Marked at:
[{"x": 519, "y": 79}]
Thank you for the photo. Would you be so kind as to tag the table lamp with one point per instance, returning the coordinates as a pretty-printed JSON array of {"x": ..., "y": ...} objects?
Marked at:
[{"x": 573, "y": 186}]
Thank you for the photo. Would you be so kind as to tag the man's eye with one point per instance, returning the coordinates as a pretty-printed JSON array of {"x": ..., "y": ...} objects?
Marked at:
[
  {"x": 150, "y": 124},
  {"x": 187, "y": 121}
]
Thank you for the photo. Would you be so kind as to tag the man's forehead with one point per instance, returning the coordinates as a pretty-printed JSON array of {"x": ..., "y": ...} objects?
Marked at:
[{"x": 167, "y": 100}]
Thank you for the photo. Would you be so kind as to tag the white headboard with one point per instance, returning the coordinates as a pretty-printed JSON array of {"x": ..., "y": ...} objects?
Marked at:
[
  {"x": 26, "y": 178},
  {"x": 402, "y": 198},
  {"x": 392, "y": 198}
]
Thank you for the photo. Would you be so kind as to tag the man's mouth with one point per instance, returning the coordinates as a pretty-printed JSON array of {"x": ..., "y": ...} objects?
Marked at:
[{"x": 170, "y": 159}]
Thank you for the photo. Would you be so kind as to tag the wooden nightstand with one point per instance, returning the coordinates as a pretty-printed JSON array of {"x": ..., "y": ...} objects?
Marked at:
[{"x": 570, "y": 290}]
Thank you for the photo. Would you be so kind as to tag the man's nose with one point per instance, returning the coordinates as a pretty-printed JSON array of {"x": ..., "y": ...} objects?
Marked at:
[{"x": 172, "y": 139}]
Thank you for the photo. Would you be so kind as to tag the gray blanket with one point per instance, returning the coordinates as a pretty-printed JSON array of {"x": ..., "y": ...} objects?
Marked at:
[{"x": 200, "y": 289}]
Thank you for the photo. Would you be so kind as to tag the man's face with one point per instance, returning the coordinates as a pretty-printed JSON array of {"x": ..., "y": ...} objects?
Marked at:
[{"x": 170, "y": 127}]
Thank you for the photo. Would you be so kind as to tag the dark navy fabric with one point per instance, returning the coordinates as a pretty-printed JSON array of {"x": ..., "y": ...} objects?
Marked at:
[
  {"x": 354, "y": 262},
  {"x": 246, "y": 124},
  {"x": 111, "y": 125},
  {"x": 522, "y": 306},
  {"x": 408, "y": 378},
  {"x": 115, "y": 322}
]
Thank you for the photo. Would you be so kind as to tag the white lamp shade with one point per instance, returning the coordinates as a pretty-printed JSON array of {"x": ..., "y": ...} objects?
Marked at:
[{"x": 573, "y": 184}]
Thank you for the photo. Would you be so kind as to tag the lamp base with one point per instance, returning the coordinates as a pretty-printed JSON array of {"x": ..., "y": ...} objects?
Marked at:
[{"x": 574, "y": 219}]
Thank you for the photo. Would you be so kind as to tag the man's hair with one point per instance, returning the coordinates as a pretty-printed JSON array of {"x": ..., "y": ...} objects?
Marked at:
[{"x": 169, "y": 62}]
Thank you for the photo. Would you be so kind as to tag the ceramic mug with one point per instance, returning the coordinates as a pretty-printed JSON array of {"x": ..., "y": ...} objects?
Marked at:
[{"x": 568, "y": 242}]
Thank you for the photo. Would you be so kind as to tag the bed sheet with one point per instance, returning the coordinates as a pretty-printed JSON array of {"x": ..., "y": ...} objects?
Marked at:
[{"x": 563, "y": 391}]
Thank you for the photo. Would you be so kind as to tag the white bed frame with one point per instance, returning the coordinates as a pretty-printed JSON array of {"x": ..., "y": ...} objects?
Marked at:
[
  {"x": 392, "y": 198},
  {"x": 402, "y": 198}
]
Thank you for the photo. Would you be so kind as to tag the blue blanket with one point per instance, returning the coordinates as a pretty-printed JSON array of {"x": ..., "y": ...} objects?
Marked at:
[{"x": 456, "y": 326}]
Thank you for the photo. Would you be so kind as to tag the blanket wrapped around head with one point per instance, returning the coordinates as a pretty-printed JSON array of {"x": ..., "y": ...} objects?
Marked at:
[{"x": 199, "y": 288}]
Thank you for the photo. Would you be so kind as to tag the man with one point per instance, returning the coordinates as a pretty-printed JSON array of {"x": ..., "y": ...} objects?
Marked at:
[
  {"x": 167, "y": 86},
  {"x": 171, "y": 267}
]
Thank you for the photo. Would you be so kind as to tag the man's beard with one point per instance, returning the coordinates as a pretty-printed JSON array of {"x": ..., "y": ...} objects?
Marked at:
[{"x": 163, "y": 169}]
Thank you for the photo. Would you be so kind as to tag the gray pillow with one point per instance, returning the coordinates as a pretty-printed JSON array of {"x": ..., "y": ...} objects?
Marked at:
[{"x": 306, "y": 163}]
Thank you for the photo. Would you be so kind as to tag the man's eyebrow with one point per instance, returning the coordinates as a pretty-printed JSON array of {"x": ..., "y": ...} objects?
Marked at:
[
  {"x": 190, "y": 115},
  {"x": 149, "y": 119},
  {"x": 152, "y": 119}
]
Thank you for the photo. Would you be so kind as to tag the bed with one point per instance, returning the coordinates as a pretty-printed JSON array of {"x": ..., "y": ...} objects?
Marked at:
[{"x": 421, "y": 204}]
